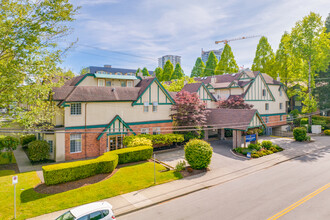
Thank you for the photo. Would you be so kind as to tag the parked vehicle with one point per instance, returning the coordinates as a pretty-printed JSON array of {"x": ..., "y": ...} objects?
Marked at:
[{"x": 91, "y": 211}]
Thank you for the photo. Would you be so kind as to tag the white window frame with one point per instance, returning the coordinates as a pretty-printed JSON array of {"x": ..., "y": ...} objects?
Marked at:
[
  {"x": 75, "y": 139},
  {"x": 154, "y": 106},
  {"x": 75, "y": 109},
  {"x": 101, "y": 82},
  {"x": 281, "y": 117},
  {"x": 156, "y": 130},
  {"x": 51, "y": 145},
  {"x": 123, "y": 83},
  {"x": 267, "y": 119},
  {"x": 129, "y": 83},
  {"x": 266, "y": 106},
  {"x": 146, "y": 107},
  {"x": 281, "y": 105},
  {"x": 264, "y": 92},
  {"x": 144, "y": 130}
]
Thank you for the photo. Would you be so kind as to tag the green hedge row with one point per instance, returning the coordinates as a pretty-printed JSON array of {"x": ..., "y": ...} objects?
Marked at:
[
  {"x": 65, "y": 172},
  {"x": 157, "y": 139}
]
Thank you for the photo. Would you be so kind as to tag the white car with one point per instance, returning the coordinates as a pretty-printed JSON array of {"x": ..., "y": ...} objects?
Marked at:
[{"x": 92, "y": 211}]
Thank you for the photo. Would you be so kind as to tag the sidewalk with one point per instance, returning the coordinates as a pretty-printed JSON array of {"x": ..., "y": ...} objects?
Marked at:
[{"x": 133, "y": 201}]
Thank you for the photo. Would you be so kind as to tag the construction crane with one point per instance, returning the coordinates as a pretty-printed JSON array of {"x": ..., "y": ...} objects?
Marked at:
[{"x": 240, "y": 38}]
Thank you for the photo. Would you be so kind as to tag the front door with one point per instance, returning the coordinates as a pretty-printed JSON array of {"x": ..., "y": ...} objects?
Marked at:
[{"x": 115, "y": 142}]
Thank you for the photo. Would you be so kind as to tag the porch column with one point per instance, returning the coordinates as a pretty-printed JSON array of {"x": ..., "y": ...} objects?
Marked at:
[
  {"x": 239, "y": 138},
  {"x": 234, "y": 139},
  {"x": 206, "y": 135}
]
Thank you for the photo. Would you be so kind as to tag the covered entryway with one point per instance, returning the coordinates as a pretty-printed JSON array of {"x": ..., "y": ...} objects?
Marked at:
[
  {"x": 115, "y": 142},
  {"x": 239, "y": 121}
]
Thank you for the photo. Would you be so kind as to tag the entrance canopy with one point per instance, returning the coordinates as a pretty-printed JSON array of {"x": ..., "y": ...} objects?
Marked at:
[{"x": 235, "y": 119}]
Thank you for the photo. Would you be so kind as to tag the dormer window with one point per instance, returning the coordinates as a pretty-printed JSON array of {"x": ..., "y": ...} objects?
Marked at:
[
  {"x": 129, "y": 83},
  {"x": 264, "y": 92},
  {"x": 101, "y": 82}
]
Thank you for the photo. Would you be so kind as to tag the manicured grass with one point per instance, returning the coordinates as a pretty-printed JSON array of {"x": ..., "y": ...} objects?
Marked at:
[
  {"x": 31, "y": 203},
  {"x": 4, "y": 158},
  {"x": 6, "y": 172}
]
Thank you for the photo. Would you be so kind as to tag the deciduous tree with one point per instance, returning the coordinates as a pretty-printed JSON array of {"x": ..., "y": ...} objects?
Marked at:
[
  {"x": 264, "y": 59},
  {"x": 168, "y": 71},
  {"x": 235, "y": 102},
  {"x": 211, "y": 64},
  {"x": 198, "y": 69},
  {"x": 178, "y": 84},
  {"x": 29, "y": 55},
  {"x": 159, "y": 73},
  {"x": 227, "y": 63},
  {"x": 145, "y": 72}
]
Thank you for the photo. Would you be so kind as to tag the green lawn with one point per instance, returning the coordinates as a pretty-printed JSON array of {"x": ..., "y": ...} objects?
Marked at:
[
  {"x": 4, "y": 159},
  {"x": 31, "y": 203}
]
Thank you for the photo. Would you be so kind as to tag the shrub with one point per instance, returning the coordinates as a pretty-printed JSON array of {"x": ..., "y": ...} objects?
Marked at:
[
  {"x": 278, "y": 148},
  {"x": 273, "y": 149},
  {"x": 9, "y": 144},
  {"x": 198, "y": 153},
  {"x": 247, "y": 150},
  {"x": 254, "y": 146},
  {"x": 181, "y": 165},
  {"x": 255, "y": 155},
  {"x": 190, "y": 135},
  {"x": 308, "y": 138},
  {"x": 135, "y": 154},
  {"x": 140, "y": 141},
  {"x": 238, "y": 150},
  {"x": 26, "y": 139},
  {"x": 38, "y": 150},
  {"x": 299, "y": 133},
  {"x": 327, "y": 132},
  {"x": 266, "y": 144},
  {"x": 304, "y": 121},
  {"x": 66, "y": 172}
]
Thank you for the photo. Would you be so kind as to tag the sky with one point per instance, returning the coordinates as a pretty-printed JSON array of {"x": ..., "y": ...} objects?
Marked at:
[{"x": 132, "y": 34}]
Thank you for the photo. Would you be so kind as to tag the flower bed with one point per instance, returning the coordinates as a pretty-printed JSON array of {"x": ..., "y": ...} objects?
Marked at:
[{"x": 259, "y": 150}]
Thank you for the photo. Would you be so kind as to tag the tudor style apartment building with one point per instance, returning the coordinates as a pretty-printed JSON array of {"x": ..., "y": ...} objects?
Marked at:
[{"x": 96, "y": 110}]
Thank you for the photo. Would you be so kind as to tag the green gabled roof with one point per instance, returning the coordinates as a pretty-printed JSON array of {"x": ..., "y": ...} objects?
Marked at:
[
  {"x": 207, "y": 90},
  {"x": 259, "y": 116},
  {"x": 160, "y": 86},
  {"x": 268, "y": 89},
  {"x": 117, "y": 117}
]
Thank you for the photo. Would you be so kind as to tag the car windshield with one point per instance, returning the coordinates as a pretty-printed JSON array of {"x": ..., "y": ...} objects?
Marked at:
[{"x": 66, "y": 216}]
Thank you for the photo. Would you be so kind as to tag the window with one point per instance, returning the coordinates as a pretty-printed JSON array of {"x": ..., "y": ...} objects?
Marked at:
[
  {"x": 66, "y": 216},
  {"x": 267, "y": 119},
  {"x": 101, "y": 82},
  {"x": 281, "y": 105},
  {"x": 281, "y": 117},
  {"x": 144, "y": 130},
  {"x": 96, "y": 216},
  {"x": 156, "y": 130},
  {"x": 83, "y": 218},
  {"x": 129, "y": 83},
  {"x": 75, "y": 143},
  {"x": 266, "y": 106},
  {"x": 280, "y": 92},
  {"x": 105, "y": 212},
  {"x": 146, "y": 107},
  {"x": 154, "y": 106},
  {"x": 123, "y": 83},
  {"x": 76, "y": 109},
  {"x": 108, "y": 83},
  {"x": 50, "y": 142},
  {"x": 264, "y": 92}
]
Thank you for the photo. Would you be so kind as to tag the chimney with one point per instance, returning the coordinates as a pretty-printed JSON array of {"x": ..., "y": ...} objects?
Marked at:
[
  {"x": 107, "y": 66},
  {"x": 140, "y": 74},
  {"x": 213, "y": 79}
]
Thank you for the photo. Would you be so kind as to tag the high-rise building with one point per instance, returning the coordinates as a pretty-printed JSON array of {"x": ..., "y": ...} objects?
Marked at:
[
  {"x": 205, "y": 54},
  {"x": 173, "y": 58}
]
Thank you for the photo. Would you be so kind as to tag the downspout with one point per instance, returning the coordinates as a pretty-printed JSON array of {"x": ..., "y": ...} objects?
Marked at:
[{"x": 85, "y": 129}]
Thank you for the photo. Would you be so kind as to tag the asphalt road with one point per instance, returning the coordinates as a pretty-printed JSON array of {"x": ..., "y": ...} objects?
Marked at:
[{"x": 296, "y": 189}]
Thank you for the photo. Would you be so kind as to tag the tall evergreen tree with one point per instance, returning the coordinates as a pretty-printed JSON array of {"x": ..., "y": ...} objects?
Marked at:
[
  {"x": 198, "y": 69},
  {"x": 211, "y": 64},
  {"x": 311, "y": 43},
  {"x": 178, "y": 72},
  {"x": 227, "y": 63},
  {"x": 168, "y": 71},
  {"x": 264, "y": 59},
  {"x": 159, "y": 73},
  {"x": 145, "y": 72}
]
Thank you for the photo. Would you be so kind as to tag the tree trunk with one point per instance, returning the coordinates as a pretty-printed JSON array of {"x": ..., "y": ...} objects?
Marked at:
[{"x": 309, "y": 91}]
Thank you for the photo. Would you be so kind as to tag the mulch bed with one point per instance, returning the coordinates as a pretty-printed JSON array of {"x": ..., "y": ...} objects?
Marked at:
[
  {"x": 12, "y": 166},
  {"x": 191, "y": 172},
  {"x": 63, "y": 187}
]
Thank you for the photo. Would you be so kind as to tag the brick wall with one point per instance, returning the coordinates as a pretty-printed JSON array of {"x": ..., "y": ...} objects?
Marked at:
[
  {"x": 275, "y": 120},
  {"x": 91, "y": 147}
]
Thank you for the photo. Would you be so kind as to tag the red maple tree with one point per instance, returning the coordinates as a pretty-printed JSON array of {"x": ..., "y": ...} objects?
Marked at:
[{"x": 235, "y": 102}]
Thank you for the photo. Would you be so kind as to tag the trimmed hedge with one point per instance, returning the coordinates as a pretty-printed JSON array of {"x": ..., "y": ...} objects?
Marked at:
[
  {"x": 38, "y": 150},
  {"x": 140, "y": 141},
  {"x": 65, "y": 172},
  {"x": 198, "y": 153},
  {"x": 157, "y": 139},
  {"x": 327, "y": 132},
  {"x": 300, "y": 133},
  {"x": 26, "y": 139}
]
